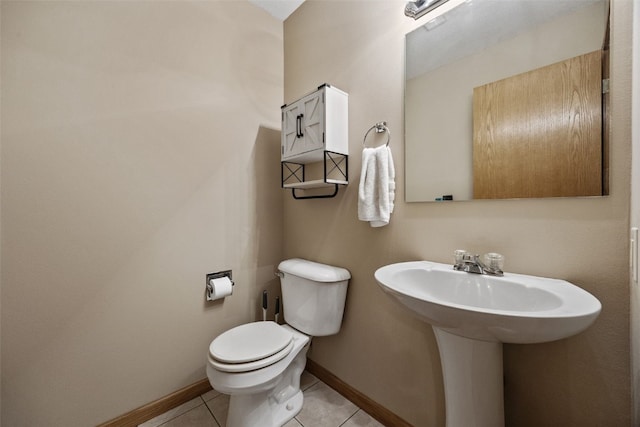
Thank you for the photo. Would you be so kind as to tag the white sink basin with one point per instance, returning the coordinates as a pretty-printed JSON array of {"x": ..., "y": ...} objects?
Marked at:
[
  {"x": 511, "y": 309},
  {"x": 472, "y": 315}
]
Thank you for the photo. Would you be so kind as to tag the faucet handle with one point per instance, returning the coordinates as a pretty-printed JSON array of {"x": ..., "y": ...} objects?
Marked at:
[
  {"x": 460, "y": 255},
  {"x": 493, "y": 260}
]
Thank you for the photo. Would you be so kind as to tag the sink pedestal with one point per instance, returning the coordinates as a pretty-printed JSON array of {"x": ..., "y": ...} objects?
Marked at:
[{"x": 473, "y": 380}]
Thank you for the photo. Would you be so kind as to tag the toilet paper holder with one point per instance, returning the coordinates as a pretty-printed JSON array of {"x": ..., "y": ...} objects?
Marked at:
[{"x": 217, "y": 275}]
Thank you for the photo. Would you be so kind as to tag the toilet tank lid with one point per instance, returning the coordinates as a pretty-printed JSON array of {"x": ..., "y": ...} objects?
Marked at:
[{"x": 314, "y": 270}]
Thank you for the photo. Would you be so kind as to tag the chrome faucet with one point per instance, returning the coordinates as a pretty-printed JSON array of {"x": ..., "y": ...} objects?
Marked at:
[{"x": 472, "y": 264}]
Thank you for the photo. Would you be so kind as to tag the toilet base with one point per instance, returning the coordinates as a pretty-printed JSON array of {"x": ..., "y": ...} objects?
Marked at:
[
  {"x": 273, "y": 407},
  {"x": 253, "y": 410}
]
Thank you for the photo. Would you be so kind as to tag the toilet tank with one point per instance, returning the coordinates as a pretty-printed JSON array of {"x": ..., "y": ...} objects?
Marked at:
[{"x": 313, "y": 296}]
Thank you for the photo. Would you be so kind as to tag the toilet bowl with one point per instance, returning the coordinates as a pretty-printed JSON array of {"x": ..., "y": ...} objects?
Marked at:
[
  {"x": 272, "y": 391},
  {"x": 259, "y": 364}
]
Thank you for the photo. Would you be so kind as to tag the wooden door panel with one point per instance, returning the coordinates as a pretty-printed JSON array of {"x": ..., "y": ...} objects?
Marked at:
[{"x": 539, "y": 134}]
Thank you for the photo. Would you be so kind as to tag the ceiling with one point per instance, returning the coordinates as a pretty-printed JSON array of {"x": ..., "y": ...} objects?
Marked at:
[
  {"x": 477, "y": 24},
  {"x": 281, "y": 9}
]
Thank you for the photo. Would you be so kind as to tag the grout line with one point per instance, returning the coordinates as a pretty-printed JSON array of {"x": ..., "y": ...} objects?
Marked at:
[
  {"x": 215, "y": 420},
  {"x": 179, "y": 414},
  {"x": 211, "y": 412},
  {"x": 351, "y": 416}
]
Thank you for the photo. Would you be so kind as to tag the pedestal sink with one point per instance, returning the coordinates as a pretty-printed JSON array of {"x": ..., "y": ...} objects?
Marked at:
[{"x": 473, "y": 314}]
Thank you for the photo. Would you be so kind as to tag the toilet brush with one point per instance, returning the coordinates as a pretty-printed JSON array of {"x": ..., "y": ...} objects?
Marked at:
[{"x": 264, "y": 306}]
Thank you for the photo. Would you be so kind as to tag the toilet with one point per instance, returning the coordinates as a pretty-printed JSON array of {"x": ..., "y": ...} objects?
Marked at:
[{"x": 259, "y": 364}]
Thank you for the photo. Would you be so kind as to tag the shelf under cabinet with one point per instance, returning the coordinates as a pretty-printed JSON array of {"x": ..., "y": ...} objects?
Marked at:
[
  {"x": 335, "y": 174},
  {"x": 319, "y": 183}
]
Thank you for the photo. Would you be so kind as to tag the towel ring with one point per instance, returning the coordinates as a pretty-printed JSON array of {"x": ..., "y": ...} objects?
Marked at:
[{"x": 379, "y": 127}]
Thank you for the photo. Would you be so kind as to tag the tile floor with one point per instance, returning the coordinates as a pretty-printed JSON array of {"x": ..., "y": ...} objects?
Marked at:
[{"x": 323, "y": 407}]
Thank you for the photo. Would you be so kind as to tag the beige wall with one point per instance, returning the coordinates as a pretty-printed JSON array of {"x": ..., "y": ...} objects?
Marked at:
[
  {"x": 382, "y": 350},
  {"x": 139, "y": 152}
]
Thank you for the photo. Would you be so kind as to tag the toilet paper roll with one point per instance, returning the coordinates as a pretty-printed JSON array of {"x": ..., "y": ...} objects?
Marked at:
[{"x": 220, "y": 288}]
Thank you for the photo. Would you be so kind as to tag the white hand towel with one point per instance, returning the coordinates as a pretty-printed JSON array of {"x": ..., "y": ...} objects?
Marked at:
[{"x": 376, "y": 193}]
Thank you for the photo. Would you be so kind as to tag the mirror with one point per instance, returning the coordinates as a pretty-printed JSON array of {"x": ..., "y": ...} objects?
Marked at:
[{"x": 487, "y": 42}]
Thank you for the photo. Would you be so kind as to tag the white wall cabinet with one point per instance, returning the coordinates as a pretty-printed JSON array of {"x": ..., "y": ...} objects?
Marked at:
[
  {"x": 315, "y": 123},
  {"x": 315, "y": 129}
]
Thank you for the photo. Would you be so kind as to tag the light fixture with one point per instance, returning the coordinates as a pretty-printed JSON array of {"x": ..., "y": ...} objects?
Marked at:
[{"x": 418, "y": 8}]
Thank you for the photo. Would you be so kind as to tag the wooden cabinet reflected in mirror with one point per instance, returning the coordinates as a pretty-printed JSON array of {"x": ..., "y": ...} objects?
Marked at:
[{"x": 539, "y": 133}]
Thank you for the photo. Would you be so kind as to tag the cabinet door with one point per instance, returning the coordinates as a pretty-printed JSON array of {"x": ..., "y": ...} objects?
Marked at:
[
  {"x": 291, "y": 130},
  {"x": 313, "y": 122},
  {"x": 303, "y": 126}
]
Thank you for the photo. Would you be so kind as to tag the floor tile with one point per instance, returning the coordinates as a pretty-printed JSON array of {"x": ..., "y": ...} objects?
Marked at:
[
  {"x": 197, "y": 417},
  {"x": 172, "y": 413},
  {"x": 324, "y": 407},
  {"x": 210, "y": 395},
  {"x": 362, "y": 419},
  {"x": 219, "y": 406},
  {"x": 292, "y": 423},
  {"x": 307, "y": 380}
]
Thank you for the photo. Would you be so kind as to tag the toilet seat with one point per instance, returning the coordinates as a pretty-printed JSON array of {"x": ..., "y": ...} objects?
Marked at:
[{"x": 251, "y": 346}]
